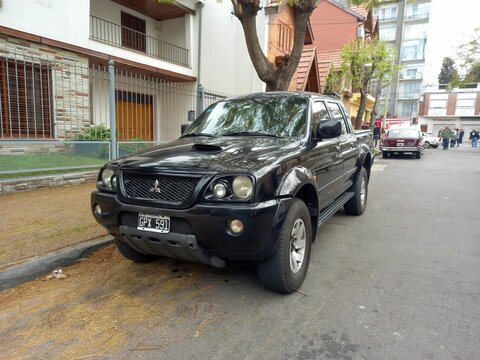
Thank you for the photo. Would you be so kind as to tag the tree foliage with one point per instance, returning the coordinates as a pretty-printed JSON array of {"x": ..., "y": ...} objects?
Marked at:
[
  {"x": 469, "y": 52},
  {"x": 448, "y": 71},
  {"x": 473, "y": 74},
  {"x": 361, "y": 63}
]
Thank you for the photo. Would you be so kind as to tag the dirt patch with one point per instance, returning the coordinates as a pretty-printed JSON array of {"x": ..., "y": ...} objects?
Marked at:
[{"x": 37, "y": 222}]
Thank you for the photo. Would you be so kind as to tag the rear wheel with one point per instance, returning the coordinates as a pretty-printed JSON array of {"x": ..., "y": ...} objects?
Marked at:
[
  {"x": 384, "y": 154},
  {"x": 132, "y": 254},
  {"x": 357, "y": 204},
  {"x": 286, "y": 269},
  {"x": 418, "y": 155}
]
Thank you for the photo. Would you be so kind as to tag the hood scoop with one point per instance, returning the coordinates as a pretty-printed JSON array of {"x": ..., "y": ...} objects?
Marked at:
[{"x": 206, "y": 148}]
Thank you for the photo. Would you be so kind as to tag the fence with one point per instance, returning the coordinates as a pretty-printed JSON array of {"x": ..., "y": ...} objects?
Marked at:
[{"x": 56, "y": 112}]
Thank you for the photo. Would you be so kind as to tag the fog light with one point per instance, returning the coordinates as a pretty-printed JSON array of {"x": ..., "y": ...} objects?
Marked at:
[
  {"x": 236, "y": 226},
  {"x": 97, "y": 210},
  {"x": 219, "y": 190}
]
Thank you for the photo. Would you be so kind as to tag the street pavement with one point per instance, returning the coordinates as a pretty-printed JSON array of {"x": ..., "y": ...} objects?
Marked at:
[{"x": 400, "y": 282}]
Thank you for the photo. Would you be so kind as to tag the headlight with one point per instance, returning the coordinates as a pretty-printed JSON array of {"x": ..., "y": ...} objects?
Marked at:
[
  {"x": 230, "y": 188},
  {"x": 109, "y": 179},
  {"x": 242, "y": 187}
]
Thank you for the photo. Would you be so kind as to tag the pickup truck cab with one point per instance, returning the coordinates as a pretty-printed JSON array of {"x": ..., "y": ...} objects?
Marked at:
[{"x": 252, "y": 178}]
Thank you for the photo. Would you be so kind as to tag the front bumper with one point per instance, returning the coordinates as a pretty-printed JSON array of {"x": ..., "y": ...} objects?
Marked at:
[{"x": 197, "y": 233}]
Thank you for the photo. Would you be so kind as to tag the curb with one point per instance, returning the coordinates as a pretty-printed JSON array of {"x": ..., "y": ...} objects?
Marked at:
[{"x": 42, "y": 265}]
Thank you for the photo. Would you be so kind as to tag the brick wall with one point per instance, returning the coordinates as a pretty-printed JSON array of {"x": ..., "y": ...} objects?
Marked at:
[{"x": 69, "y": 76}]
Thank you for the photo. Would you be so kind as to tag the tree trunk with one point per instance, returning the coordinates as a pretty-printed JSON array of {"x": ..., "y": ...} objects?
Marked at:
[
  {"x": 275, "y": 77},
  {"x": 361, "y": 109}
]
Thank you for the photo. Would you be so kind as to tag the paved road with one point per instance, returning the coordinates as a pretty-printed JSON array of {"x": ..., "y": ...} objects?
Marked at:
[{"x": 400, "y": 282}]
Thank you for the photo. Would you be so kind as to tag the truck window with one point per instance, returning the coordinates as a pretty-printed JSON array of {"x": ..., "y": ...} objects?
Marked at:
[
  {"x": 337, "y": 114},
  {"x": 319, "y": 113}
]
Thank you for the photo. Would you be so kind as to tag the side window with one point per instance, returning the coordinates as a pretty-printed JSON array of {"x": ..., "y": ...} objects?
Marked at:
[
  {"x": 337, "y": 114},
  {"x": 319, "y": 113}
]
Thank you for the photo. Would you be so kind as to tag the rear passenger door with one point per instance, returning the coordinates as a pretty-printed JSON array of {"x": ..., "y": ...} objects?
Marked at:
[{"x": 348, "y": 146}]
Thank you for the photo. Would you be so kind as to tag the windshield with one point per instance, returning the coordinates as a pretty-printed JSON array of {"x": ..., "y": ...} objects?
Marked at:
[
  {"x": 403, "y": 133},
  {"x": 260, "y": 116}
]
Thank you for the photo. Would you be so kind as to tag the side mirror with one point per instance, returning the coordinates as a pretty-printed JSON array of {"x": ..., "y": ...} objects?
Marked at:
[{"x": 329, "y": 129}]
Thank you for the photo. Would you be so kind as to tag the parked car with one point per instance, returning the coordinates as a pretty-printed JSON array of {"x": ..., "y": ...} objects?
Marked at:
[
  {"x": 430, "y": 141},
  {"x": 252, "y": 178},
  {"x": 402, "y": 140}
]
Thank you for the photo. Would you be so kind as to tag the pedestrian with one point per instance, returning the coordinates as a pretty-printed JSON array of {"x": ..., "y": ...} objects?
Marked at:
[
  {"x": 446, "y": 135},
  {"x": 376, "y": 134},
  {"x": 454, "y": 138},
  {"x": 474, "y": 137},
  {"x": 460, "y": 136}
]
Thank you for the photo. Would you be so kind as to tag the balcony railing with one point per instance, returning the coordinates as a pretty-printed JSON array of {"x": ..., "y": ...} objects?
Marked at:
[
  {"x": 417, "y": 16},
  {"x": 113, "y": 34}
]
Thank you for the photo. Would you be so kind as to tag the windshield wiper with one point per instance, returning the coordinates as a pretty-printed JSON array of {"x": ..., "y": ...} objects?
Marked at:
[
  {"x": 250, "y": 133},
  {"x": 198, "y": 134}
]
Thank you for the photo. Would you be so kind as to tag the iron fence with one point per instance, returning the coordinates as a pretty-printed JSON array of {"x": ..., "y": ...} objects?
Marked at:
[
  {"x": 121, "y": 36},
  {"x": 56, "y": 113}
]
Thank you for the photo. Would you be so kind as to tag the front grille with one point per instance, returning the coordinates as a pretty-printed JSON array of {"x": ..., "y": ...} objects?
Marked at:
[{"x": 159, "y": 187}]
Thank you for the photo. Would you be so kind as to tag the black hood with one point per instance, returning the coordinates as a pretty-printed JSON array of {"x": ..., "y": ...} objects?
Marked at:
[{"x": 226, "y": 154}]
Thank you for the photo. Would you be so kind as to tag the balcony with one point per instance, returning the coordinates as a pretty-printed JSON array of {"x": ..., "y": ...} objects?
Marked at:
[
  {"x": 409, "y": 95},
  {"x": 417, "y": 16},
  {"x": 116, "y": 35}
]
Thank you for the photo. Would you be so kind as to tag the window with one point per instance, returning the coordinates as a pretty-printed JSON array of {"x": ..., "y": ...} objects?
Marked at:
[
  {"x": 386, "y": 13},
  {"x": 413, "y": 50},
  {"x": 25, "y": 98},
  {"x": 337, "y": 114},
  {"x": 465, "y": 105},
  {"x": 133, "y": 32},
  {"x": 416, "y": 31},
  {"x": 285, "y": 37},
  {"x": 387, "y": 33},
  {"x": 437, "y": 106},
  {"x": 319, "y": 113}
]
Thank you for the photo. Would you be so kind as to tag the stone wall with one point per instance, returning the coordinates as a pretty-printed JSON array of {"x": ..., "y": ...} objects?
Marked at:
[
  {"x": 18, "y": 148},
  {"x": 69, "y": 82},
  {"x": 48, "y": 181}
]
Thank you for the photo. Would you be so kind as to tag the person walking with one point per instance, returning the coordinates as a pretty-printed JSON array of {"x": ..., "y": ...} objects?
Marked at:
[
  {"x": 460, "y": 136},
  {"x": 446, "y": 136},
  {"x": 454, "y": 138},
  {"x": 376, "y": 134},
  {"x": 474, "y": 137}
]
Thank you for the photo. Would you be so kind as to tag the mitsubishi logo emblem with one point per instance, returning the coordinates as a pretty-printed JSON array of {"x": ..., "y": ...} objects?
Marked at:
[{"x": 156, "y": 187}]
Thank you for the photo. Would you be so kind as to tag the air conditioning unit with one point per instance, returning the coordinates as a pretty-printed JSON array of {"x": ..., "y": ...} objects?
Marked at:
[{"x": 360, "y": 33}]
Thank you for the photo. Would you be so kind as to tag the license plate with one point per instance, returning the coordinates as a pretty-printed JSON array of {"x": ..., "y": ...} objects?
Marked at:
[
  {"x": 155, "y": 223},
  {"x": 400, "y": 144}
]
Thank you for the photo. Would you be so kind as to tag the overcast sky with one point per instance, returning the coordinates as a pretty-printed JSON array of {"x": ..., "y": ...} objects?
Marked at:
[{"x": 451, "y": 23}]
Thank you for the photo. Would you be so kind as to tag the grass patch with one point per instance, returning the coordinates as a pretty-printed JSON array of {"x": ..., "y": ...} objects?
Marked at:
[{"x": 45, "y": 161}]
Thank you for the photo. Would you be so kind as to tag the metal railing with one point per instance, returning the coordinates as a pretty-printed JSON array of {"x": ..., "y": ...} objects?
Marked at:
[
  {"x": 55, "y": 113},
  {"x": 418, "y": 16},
  {"x": 113, "y": 34}
]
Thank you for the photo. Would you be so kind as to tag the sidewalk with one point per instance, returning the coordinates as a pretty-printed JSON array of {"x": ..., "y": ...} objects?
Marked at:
[{"x": 37, "y": 223}]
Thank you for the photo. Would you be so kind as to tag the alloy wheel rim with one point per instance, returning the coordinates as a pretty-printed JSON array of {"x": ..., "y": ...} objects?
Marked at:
[
  {"x": 298, "y": 242},
  {"x": 363, "y": 191}
]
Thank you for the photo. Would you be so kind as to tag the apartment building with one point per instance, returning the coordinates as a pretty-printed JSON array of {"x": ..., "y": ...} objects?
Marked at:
[
  {"x": 403, "y": 25},
  {"x": 459, "y": 108}
]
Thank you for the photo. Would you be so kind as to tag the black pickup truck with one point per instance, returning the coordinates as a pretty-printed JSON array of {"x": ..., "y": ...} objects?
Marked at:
[{"x": 252, "y": 178}]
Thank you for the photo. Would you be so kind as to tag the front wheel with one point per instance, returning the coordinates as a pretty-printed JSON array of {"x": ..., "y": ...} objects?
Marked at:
[
  {"x": 426, "y": 144},
  {"x": 286, "y": 269},
  {"x": 357, "y": 204}
]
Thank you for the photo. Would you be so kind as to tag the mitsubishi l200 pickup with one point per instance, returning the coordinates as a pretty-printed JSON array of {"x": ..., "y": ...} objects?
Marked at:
[{"x": 251, "y": 179}]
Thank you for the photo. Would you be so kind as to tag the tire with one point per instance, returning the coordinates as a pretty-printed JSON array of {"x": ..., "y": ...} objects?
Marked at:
[
  {"x": 132, "y": 254},
  {"x": 286, "y": 269},
  {"x": 418, "y": 155},
  {"x": 426, "y": 144},
  {"x": 385, "y": 154},
  {"x": 357, "y": 204}
]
